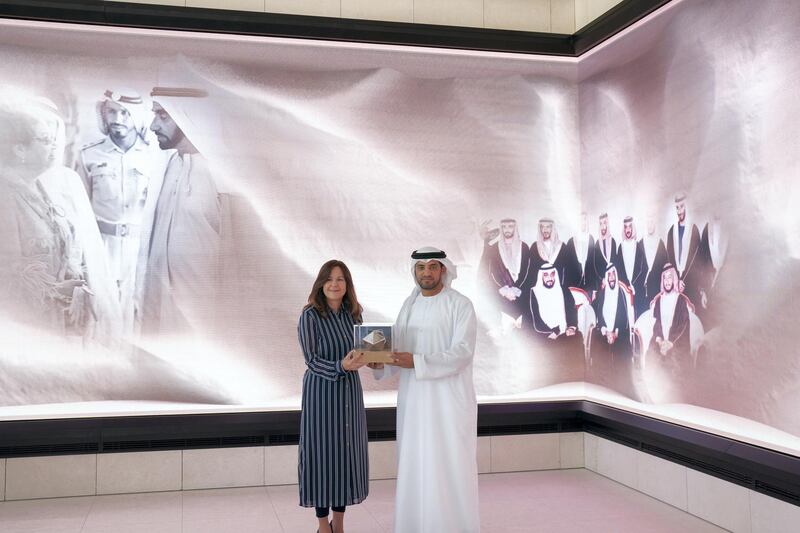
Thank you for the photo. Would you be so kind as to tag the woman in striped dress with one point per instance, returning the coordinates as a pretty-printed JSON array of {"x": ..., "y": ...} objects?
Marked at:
[{"x": 333, "y": 468}]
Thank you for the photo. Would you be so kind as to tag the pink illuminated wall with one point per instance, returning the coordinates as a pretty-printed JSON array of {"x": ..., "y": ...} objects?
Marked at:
[{"x": 365, "y": 153}]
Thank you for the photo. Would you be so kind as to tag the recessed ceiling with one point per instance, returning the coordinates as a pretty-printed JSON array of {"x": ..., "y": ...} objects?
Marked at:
[{"x": 595, "y": 20}]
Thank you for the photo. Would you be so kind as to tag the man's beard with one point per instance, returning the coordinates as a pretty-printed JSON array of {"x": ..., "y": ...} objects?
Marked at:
[
  {"x": 508, "y": 235},
  {"x": 428, "y": 284},
  {"x": 119, "y": 135},
  {"x": 169, "y": 143},
  {"x": 612, "y": 283},
  {"x": 550, "y": 284}
]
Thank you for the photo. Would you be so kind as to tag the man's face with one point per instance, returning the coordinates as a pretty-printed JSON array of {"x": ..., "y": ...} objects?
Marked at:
[
  {"x": 429, "y": 275},
  {"x": 549, "y": 278},
  {"x": 547, "y": 230},
  {"x": 680, "y": 210},
  {"x": 612, "y": 278},
  {"x": 669, "y": 280},
  {"x": 603, "y": 226},
  {"x": 168, "y": 133},
  {"x": 628, "y": 227},
  {"x": 508, "y": 229},
  {"x": 651, "y": 225},
  {"x": 117, "y": 119}
]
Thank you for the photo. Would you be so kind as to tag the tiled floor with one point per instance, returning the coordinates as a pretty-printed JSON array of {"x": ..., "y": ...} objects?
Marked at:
[{"x": 547, "y": 501}]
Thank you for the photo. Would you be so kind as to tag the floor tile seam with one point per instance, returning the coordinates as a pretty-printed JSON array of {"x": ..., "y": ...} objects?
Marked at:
[
  {"x": 88, "y": 512},
  {"x": 684, "y": 511},
  {"x": 374, "y": 518},
  {"x": 275, "y": 510},
  {"x": 272, "y": 506},
  {"x": 181, "y": 494}
]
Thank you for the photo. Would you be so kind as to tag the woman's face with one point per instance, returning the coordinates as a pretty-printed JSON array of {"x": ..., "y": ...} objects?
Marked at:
[{"x": 335, "y": 287}]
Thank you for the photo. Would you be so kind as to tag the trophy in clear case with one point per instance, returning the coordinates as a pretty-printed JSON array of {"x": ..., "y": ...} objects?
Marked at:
[{"x": 375, "y": 341}]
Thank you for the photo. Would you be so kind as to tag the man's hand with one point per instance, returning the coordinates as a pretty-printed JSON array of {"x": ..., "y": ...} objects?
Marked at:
[
  {"x": 403, "y": 359},
  {"x": 375, "y": 366},
  {"x": 553, "y": 336},
  {"x": 611, "y": 337},
  {"x": 703, "y": 299},
  {"x": 66, "y": 288},
  {"x": 666, "y": 346},
  {"x": 353, "y": 361},
  {"x": 570, "y": 331}
]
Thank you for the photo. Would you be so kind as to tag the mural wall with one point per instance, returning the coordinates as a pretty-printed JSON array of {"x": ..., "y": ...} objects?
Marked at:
[{"x": 625, "y": 224}]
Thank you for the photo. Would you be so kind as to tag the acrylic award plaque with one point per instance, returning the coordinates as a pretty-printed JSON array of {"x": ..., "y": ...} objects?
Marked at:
[{"x": 375, "y": 341}]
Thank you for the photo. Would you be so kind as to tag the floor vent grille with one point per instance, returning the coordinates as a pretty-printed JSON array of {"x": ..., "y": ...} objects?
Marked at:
[
  {"x": 518, "y": 429},
  {"x": 48, "y": 449}
]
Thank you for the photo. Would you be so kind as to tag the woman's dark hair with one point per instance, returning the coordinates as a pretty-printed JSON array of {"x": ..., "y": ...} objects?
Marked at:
[{"x": 317, "y": 299}]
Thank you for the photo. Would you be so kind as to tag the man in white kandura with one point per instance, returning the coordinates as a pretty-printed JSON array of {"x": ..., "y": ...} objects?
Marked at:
[
  {"x": 437, "y": 471},
  {"x": 182, "y": 276}
]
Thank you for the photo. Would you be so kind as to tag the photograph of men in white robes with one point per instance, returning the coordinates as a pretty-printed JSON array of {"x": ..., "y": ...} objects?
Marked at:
[
  {"x": 603, "y": 253},
  {"x": 685, "y": 252},
  {"x": 632, "y": 268},
  {"x": 582, "y": 244},
  {"x": 549, "y": 249},
  {"x": 553, "y": 313},
  {"x": 611, "y": 362},
  {"x": 184, "y": 250},
  {"x": 508, "y": 264},
  {"x": 655, "y": 254},
  {"x": 437, "y": 413}
]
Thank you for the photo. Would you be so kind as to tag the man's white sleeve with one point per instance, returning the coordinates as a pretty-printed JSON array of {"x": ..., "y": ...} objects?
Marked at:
[{"x": 384, "y": 373}]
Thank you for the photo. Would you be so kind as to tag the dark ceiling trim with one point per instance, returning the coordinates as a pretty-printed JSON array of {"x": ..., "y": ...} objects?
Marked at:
[
  {"x": 612, "y": 22},
  {"x": 152, "y": 16}
]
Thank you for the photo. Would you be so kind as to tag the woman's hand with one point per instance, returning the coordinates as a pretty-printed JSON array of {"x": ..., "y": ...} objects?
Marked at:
[{"x": 353, "y": 361}]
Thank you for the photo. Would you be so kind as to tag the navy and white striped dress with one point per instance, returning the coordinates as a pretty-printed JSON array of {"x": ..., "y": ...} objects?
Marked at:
[{"x": 333, "y": 468}]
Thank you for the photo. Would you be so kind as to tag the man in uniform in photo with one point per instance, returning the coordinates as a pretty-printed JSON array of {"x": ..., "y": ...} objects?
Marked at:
[
  {"x": 548, "y": 249},
  {"x": 604, "y": 252},
  {"x": 685, "y": 252},
  {"x": 509, "y": 262},
  {"x": 122, "y": 174},
  {"x": 632, "y": 268},
  {"x": 552, "y": 306},
  {"x": 582, "y": 245},
  {"x": 655, "y": 254},
  {"x": 182, "y": 274}
]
